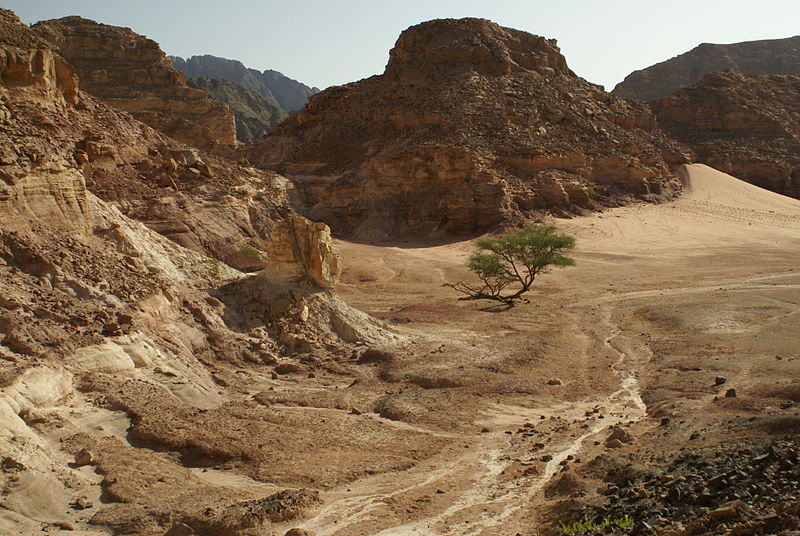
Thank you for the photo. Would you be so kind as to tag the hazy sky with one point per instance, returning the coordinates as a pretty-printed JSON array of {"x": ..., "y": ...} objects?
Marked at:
[{"x": 328, "y": 42}]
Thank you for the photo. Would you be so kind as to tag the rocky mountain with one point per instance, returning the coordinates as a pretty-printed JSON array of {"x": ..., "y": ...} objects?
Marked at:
[
  {"x": 130, "y": 72},
  {"x": 102, "y": 317},
  {"x": 471, "y": 126},
  {"x": 278, "y": 89},
  {"x": 745, "y": 125},
  {"x": 253, "y": 114},
  {"x": 771, "y": 56}
]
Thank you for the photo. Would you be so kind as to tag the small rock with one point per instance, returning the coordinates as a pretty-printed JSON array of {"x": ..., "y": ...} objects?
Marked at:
[
  {"x": 614, "y": 444},
  {"x": 730, "y": 393},
  {"x": 299, "y": 532},
  {"x": 554, "y": 381},
  {"x": 84, "y": 457},
  {"x": 354, "y": 411},
  {"x": 288, "y": 368},
  {"x": 664, "y": 421},
  {"x": 619, "y": 434},
  {"x": 82, "y": 503},
  {"x": 727, "y": 510},
  {"x": 719, "y": 380},
  {"x": 180, "y": 529}
]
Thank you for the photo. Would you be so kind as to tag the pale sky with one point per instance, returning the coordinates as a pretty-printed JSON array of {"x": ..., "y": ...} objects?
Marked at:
[{"x": 327, "y": 42}]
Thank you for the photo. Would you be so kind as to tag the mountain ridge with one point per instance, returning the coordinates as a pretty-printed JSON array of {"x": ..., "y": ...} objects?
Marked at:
[
  {"x": 765, "y": 56},
  {"x": 277, "y": 88}
]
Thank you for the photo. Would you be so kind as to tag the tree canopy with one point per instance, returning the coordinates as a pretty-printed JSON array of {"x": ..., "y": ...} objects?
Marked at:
[{"x": 512, "y": 261}]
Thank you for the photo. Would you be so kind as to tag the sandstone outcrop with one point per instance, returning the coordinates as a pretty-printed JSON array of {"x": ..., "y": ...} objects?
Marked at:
[
  {"x": 299, "y": 249},
  {"x": 745, "y": 125},
  {"x": 278, "y": 89},
  {"x": 471, "y": 126},
  {"x": 770, "y": 56},
  {"x": 130, "y": 72},
  {"x": 254, "y": 115}
]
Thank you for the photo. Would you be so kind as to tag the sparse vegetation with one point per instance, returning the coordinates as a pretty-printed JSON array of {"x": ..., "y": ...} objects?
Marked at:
[
  {"x": 247, "y": 250},
  {"x": 587, "y": 525},
  {"x": 514, "y": 259}
]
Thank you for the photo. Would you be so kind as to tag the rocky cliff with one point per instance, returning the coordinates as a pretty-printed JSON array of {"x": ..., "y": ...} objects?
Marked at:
[
  {"x": 130, "y": 72},
  {"x": 278, "y": 89},
  {"x": 117, "y": 345},
  {"x": 745, "y": 125},
  {"x": 471, "y": 126},
  {"x": 772, "y": 56},
  {"x": 60, "y": 144},
  {"x": 253, "y": 114}
]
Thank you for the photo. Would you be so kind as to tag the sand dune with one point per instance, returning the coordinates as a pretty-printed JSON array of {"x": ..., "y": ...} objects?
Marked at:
[
  {"x": 714, "y": 210},
  {"x": 706, "y": 184}
]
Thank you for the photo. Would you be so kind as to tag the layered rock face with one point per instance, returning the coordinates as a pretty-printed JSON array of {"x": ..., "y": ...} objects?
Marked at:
[
  {"x": 130, "y": 72},
  {"x": 35, "y": 177},
  {"x": 772, "y": 56},
  {"x": 745, "y": 125},
  {"x": 254, "y": 115},
  {"x": 471, "y": 126},
  {"x": 59, "y": 145},
  {"x": 278, "y": 89}
]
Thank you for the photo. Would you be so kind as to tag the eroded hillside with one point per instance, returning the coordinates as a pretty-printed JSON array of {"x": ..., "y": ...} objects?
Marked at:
[{"x": 470, "y": 127}]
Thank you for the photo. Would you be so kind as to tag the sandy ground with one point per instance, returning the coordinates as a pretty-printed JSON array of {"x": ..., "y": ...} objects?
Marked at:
[{"x": 663, "y": 299}]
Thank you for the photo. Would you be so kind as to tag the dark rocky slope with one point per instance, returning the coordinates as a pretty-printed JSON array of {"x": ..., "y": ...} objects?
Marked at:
[
  {"x": 771, "y": 56},
  {"x": 253, "y": 114},
  {"x": 745, "y": 125}
]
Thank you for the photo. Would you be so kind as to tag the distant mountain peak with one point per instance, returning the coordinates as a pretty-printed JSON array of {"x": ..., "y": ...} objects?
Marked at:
[{"x": 277, "y": 88}]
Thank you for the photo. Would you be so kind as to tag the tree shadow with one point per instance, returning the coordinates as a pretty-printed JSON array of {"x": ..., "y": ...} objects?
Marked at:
[{"x": 497, "y": 308}]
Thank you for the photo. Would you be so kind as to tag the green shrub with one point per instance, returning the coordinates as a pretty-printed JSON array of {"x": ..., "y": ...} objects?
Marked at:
[
  {"x": 587, "y": 525},
  {"x": 514, "y": 259},
  {"x": 247, "y": 250}
]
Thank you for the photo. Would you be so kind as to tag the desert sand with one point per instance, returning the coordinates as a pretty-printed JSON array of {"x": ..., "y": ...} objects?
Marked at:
[
  {"x": 660, "y": 300},
  {"x": 474, "y": 420}
]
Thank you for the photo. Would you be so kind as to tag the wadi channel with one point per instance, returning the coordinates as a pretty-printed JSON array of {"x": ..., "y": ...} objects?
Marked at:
[{"x": 205, "y": 337}]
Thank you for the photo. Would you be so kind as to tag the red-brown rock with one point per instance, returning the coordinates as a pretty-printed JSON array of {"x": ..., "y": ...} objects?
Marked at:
[{"x": 471, "y": 126}]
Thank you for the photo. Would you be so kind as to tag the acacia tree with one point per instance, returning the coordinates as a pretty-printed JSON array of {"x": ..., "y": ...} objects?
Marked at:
[{"x": 514, "y": 260}]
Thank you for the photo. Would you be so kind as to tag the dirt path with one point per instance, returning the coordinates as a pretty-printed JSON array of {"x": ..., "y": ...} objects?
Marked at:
[{"x": 477, "y": 493}]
